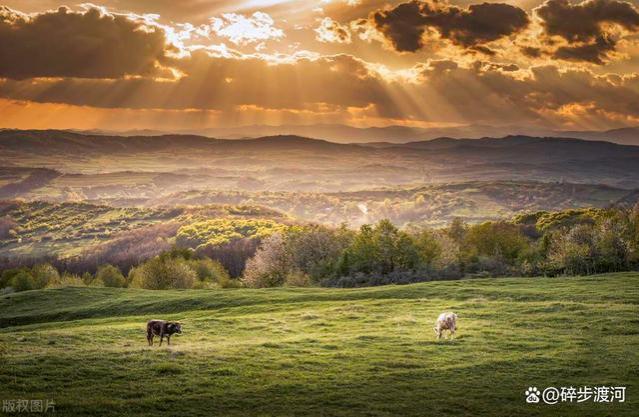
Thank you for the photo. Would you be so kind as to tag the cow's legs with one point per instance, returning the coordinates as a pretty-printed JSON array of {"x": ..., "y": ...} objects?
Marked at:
[
  {"x": 161, "y": 338},
  {"x": 150, "y": 340},
  {"x": 168, "y": 340}
]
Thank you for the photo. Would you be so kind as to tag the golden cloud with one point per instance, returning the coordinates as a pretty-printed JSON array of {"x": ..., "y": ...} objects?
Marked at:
[{"x": 88, "y": 44}]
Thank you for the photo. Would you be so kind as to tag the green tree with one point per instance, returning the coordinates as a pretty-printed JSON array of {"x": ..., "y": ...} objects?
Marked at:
[
  {"x": 210, "y": 271},
  {"x": 111, "y": 276},
  {"x": 163, "y": 272},
  {"x": 428, "y": 246},
  {"x": 23, "y": 281},
  {"x": 381, "y": 249},
  {"x": 495, "y": 239}
]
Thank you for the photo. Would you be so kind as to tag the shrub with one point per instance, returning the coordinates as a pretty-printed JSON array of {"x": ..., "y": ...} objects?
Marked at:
[
  {"x": 23, "y": 281},
  {"x": 7, "y": 276},
  {"x": 87, "y": 278},
  {"x": 298, "y": 279},
  {"x": 163, "y": 272},
  {"x": 111, "y": 276},
  {"x": 70, "y": 280},
  {"x": 44, "y": 275},
  {"x": 210, "y": 271}
]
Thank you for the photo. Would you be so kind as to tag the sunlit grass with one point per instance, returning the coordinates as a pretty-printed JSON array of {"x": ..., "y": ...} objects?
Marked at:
[{"x": 324, "y": 351}]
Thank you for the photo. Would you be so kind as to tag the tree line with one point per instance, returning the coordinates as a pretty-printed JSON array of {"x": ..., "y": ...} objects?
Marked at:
[{"x": 570, "y": 242}]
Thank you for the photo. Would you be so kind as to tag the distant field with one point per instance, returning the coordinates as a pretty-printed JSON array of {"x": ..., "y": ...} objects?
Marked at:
[{"x": 325, "y": 352}]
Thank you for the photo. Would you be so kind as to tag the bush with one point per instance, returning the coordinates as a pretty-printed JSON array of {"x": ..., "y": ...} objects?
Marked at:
[
  {"x": 163, "y": 272},
  {"x": 111, "y": 276},
  {"x": 23, "y": 281},
  {"x": 210, "y": 271},
  {"x": 7, "y": 276},
  {"x": 45, "y": 275},
  {"x": 87, "y": 278},
  {"x": 69, "y": 280},
  {"x": 298, "y": 279}
]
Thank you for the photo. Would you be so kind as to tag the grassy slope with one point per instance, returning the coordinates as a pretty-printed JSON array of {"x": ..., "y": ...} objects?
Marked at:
[{"x": 325, "y": 351}]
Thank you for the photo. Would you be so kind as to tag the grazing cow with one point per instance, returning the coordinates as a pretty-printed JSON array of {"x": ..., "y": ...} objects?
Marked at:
[
  {"x": 161, "y": 328},
  {"x": 446, "y": 321}
]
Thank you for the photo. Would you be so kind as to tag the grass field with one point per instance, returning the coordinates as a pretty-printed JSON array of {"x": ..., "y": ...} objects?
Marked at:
[{"x": 325, "y": 352}]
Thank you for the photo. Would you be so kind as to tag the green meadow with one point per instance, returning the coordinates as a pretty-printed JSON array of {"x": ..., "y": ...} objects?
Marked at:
[{"x": 325, "y": 352}]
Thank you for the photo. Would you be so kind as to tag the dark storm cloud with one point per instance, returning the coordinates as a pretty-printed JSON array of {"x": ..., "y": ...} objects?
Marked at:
[
  {"x": 583, "y": 22},
  {"x": 588, "y": 27},
  {"x": 595, "y": 52},
  {"x": 404, "y": 26},
  {"x": 90, "y": 44}
]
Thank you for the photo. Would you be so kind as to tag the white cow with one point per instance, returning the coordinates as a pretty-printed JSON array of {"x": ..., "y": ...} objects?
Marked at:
[{"x": 446, "y": 321}]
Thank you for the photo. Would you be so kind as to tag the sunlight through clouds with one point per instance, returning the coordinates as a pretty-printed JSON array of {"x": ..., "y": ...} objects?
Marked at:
[
  {"x": 242, "y": 30},
  {"x": 393, "y": 62}
]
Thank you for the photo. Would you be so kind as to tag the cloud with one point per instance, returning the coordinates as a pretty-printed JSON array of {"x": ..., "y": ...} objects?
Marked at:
[
  {"x": 220, "y": 83},
  {"x": 596, "y": 52},
  {"x": 89, "y": 44},
  {"x": 405, "y": 26},
  {"x": 243, "y": 30},
  {"x": 589, "y": 30},
  {"x": 110, "y": 62},
  {"x": 435, "y": 91},
  {"x": 330, "y": 31},
  {"x": 585, "y": 21}
]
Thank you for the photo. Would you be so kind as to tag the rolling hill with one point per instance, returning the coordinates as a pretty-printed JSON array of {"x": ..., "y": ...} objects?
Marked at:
[{"x": 292, "y": 163}]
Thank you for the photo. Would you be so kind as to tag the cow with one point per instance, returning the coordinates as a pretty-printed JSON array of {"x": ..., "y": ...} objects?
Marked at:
[
  {"x": 162, "y": 328},
  {"x": 446, "y": 321}
]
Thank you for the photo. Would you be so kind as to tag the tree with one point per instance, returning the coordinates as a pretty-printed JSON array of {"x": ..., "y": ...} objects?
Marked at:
[
  {"x": 457, "y": 229},
  {"x": 572, "y": 251},
  {"x": 495, "y": 239},
  {"x": 111, "y": 276},
  {"x": 428, "y": 246},
  {"x": 270, "y": 265},
  {"x": 613, "y": 246},
  {"x": 381, "y": 250},
  {"x": 315, "y": 251}
]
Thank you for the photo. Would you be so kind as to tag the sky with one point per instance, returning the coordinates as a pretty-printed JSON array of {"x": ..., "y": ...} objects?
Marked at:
[{"x": 151, "y": 64}]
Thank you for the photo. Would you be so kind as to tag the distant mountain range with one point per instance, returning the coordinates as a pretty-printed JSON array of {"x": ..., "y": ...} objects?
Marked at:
[
  {"x": 301, "y": 164},
  {"x": 392, "y": 134}
]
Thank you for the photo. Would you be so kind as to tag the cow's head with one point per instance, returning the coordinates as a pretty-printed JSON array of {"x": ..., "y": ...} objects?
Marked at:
[{"x": 175, "y": 327}]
